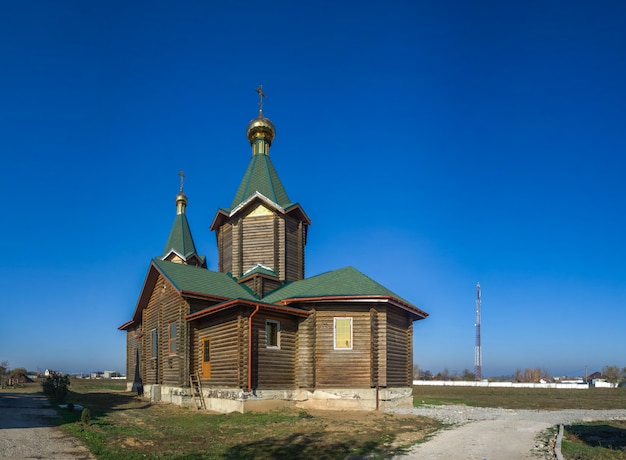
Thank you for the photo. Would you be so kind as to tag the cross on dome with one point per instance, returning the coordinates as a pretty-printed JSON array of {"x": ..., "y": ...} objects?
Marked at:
[
  {"x": 261, "y": 96},
  {"x": 181, "y": 173}
]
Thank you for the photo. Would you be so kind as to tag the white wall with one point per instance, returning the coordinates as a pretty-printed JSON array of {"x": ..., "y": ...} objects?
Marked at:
[{"x": 483, "y": 383}]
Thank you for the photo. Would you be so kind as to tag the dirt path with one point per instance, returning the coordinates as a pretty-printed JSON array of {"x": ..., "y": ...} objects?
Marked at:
[
  {"x": 27, "y": 430},
  {"x": 496, "y": 434},
  {"x": 485, "y": 439}
]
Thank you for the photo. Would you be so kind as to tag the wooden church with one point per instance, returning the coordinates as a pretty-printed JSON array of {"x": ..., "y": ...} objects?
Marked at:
[{"x": 256, "y": 333}]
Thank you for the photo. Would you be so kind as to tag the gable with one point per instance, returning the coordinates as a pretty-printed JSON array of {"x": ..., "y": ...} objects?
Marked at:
[
  {"x": 260, "y": 210},
  {"x": 256, "y": 200},
  {"x": 188, "y": 281}
]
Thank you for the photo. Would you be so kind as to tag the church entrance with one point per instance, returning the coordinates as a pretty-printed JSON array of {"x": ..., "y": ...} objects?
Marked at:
[{"x": 206, "y": 358}]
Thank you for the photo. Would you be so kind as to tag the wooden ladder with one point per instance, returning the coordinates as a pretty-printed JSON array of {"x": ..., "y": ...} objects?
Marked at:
[{"x": 196, "y": 391}]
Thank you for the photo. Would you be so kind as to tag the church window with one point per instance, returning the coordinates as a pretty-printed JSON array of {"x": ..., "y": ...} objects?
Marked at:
[
  {"x": 172, "y": 339},
  {"x": 343, "y": 333},
  {"x": 154, "y": 342},
  {"x": 272, "y": 334}
]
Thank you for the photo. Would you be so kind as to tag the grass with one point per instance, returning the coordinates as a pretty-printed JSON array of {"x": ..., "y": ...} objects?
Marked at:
[
  {"x": 126, "y": 427},
  {"x": 595, "y": 441},
  {"x": 522, "y": 398}
]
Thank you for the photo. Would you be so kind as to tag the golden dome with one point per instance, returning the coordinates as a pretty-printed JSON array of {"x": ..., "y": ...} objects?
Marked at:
[
  {"x": 261, "y": 126},
  {"x": 181, "y": 198}
]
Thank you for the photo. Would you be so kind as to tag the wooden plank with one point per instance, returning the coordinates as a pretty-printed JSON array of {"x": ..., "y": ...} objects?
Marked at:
[{"x": 343, "y": 368}]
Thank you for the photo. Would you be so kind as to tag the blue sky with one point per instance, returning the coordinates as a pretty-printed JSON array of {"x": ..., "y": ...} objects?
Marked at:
[{"x": 433, "y": 145}]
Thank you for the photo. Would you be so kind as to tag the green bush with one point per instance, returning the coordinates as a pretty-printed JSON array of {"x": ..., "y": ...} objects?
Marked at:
[
  {"x": 85, "y": 416},
  {"x": 56, "y": 387}
]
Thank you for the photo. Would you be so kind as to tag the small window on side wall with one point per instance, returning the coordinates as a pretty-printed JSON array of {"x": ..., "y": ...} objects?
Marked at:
[
  {"x": 272, "y": 334},
  {"x": 154, "y": 343},
  {"x": 343, "y": 333},
  {"x": 172, "y": 339}
]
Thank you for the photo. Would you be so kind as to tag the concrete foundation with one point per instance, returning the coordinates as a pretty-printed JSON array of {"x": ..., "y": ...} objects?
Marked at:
[{"x": 227, "y": 400}]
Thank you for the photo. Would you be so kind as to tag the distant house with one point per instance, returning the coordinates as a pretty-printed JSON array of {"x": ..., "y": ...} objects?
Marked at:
[
  {"x": 594, "y": 376},
  {"x": 18, "y": 378},
  {"x": 257, "y": 330}
]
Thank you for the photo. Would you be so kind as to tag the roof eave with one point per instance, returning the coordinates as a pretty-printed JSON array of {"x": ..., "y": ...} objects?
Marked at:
[
  {"x": 201, "y": 296},
  {"x": 296, "y": 208},
  {"x": 246, "y": 303},
  {"x": 144, "y": 296},
  {"x": 219, "y": 217},
  {"x": 359, "y": 298},
  {"x": 126, "y": 325}
]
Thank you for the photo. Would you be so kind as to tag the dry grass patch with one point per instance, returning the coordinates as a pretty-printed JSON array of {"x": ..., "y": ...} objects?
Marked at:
[
  {"x": 522, "y": 398},
  {"x": 126, "y": 427}
]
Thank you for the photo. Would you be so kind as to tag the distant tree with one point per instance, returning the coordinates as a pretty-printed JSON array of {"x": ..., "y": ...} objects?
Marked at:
[
  {"x": 443, "y": 375},
  {"x": 4, "y": 365},
  {"x": 468, "y": 375},
  {"x": 528, "y": 375},
  {"x": 416, "y": 371},
  {"x": 612, "y": 374},
  {"x": 426, "y": 375},
  {"x": 531, "y": 375}
]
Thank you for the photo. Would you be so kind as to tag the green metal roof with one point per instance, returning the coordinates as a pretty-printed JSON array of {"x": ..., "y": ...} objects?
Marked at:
[
  {"x": 202, "y": 281},
  {"x": 346, "y": 281},
  {"x": 261, "y": 177},
  {"x": 180, "y": 239}
]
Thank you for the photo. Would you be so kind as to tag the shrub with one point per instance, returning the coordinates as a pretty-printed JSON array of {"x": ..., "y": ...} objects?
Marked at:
[
  {"x": 56, "y": 386},
  {"x": 85, "y": 416}
]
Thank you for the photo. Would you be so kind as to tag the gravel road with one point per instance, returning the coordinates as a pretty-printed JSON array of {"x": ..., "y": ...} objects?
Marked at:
[
  {"x": 495, "y": 434},
  {"x": 27, "y": 430}
]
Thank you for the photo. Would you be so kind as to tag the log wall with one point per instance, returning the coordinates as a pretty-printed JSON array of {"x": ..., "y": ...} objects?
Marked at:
[
  {"x": 275, "y": 366},
  {"x": 133, "y": 352},
  {"x": 294, "y": 249},
  {"x": 343, "y": 368},
  {"x": 164, "y": 307},
  {"x": 258, "y": 243},
  {"x": 399, "y": 346},
  {"x": 225, "y": 248},
  {"x": 227, "y": 333},
  {"x": 305, "y": 345},
  {"x": 273, "y": 240}
]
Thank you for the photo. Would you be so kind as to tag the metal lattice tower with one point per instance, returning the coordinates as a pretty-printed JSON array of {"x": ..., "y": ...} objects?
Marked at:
[{"x": 478, "y": 353}]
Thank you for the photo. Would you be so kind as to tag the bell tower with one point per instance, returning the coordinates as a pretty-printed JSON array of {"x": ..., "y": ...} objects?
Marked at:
[
  {"x": 180, "y": 247},
  {"x": 262, "y": 235}
]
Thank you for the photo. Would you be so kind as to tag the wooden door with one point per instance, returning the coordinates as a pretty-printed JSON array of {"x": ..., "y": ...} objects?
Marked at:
[{"x": 206, "y": 358}]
